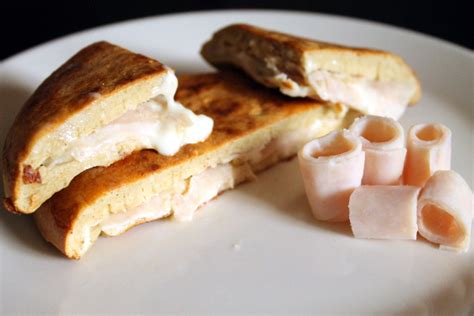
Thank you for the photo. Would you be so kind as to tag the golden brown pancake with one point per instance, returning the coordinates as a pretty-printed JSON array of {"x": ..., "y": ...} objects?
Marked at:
[
  {"x": 371, "y": 81},
  {"x": 254, "y": 128},
  {"x": 96, "y": 86}
]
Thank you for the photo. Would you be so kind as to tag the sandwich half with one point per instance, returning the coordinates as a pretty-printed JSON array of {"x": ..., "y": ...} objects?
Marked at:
[
  {"x": 101, "y": 105},
  {"x": 254, "y": 128},
  {"x": 370, "y": 81}
]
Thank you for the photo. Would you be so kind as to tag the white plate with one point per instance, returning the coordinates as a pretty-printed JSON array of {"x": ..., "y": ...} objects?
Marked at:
[{"x": 256, "y": 248}]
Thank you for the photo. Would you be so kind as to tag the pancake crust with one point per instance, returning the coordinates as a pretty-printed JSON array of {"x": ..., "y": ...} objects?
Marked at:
[
  {"x": 291, "y": 55},
  {"x": 239, "y": 107},
  {"x": 99, "y": 69}
]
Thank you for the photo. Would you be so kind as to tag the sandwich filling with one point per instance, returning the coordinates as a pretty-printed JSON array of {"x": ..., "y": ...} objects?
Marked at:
[
  {"x": 204, "y": 186},
  {"x": 367, "y": 96},
  {"x": 375, "y": 97},
  {"x": 160, "y": 123},
  {"x": 192, "y": 193},
  {"x": 186, "y": 197}
]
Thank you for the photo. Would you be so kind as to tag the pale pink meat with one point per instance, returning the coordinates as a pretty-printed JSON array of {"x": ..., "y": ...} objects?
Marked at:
[
  {"x": 332, "y": 167},
  {"x": 384, "y": 212},
  {"x": 202, "y": 188},
  {"x": 445, "y": 211},
  {"x": 383, "y": 142},
  {"x": 428, "y": 150}
]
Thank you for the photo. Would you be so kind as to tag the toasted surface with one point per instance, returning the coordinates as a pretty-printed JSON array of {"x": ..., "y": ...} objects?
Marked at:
[
  {"x": 100, "y": 79},
  {"x": 263, "y": 53},
  {"x": 246, "y": 117}
]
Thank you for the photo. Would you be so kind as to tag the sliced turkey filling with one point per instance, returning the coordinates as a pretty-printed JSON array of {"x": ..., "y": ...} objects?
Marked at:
[
  {"x": 445, "y": 211},
  {"x": 161, "y": 124},
  {"x": 367, "y": 96},
  {"x": 195, "y": 192},
  {"x": 199, "y": 189}
]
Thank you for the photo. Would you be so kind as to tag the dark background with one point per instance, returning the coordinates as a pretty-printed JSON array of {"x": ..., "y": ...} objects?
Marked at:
[{"x": 24, "y": 25}]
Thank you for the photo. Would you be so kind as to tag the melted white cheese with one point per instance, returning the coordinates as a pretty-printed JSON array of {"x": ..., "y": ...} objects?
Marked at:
[
  {"x": 388, "y": 99},
  {"x": 161, "y": 124},
  {"x": 184, "y": 201}
]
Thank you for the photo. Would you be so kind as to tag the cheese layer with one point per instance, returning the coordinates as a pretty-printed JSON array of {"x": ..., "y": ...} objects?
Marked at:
[
  {"x": 199, "y": 189},
  {"x": 161, "y": 124},
  {"x": 367, "y": 96}
]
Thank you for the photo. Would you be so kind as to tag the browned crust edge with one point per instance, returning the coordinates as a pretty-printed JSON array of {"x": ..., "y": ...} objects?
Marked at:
[
  {"x": 299, "y": 45},
  {"x": 101, "y": 68},
  {"x": 237, "y": 105}
]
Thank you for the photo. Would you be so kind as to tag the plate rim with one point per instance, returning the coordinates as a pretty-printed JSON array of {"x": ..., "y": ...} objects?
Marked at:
[
  {"x": 104, "y": 28},
  {"x": 468, "y": 53}
]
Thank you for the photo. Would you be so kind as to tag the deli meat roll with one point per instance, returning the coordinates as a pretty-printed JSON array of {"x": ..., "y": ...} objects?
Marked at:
[
  {"x": 384, "y": 212},
  {"x": 332, "y": 167},
  {"x": 384, "y": 145},
  {"x": 444, "y": 211},
  {"x": 428, "y": 150}
]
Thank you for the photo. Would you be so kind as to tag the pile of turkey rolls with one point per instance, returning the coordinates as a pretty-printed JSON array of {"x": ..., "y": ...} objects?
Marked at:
[{"x": 388, "y": 189}]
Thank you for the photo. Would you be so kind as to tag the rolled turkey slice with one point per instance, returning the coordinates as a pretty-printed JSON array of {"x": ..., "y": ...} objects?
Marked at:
[
  {"x": 332, "y": 167},
  {"x": 445, "y": 211},
  {"x": 384, "y": 212},
  {"x": 428, "y": 150},
  {"x": 383, "y": 142}
]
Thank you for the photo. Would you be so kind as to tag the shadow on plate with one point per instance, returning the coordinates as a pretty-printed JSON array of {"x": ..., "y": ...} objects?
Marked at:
[
  {"x": 453, "y": 298},
  {"x": 188, "y": 67},
  {"x": 12, "y": 97},
  {"x": 282, "y": 188},
  {"x": 427, "y": 243},
  {"x": 20, "y": 228},
  {"x": 22, "y": 232}
]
